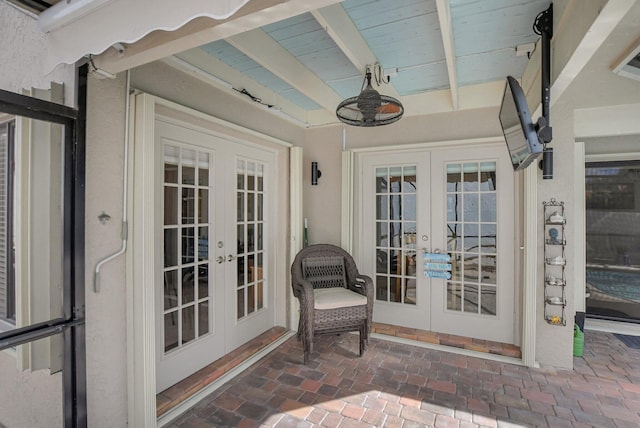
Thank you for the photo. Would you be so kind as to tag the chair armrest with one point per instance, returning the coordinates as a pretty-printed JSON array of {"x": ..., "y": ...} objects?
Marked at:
[
  {"x": 366, "y": 285},
  {"x": 303, "y": 290},
  {"x": 363, "y": 285}
]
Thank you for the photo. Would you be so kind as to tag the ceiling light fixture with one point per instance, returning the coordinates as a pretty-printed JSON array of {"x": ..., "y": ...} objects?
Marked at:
[{"x": 370, "y": 108}]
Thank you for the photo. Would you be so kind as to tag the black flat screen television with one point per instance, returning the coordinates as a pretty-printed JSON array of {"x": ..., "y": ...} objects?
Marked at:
[{"x": 518, "y": 127}]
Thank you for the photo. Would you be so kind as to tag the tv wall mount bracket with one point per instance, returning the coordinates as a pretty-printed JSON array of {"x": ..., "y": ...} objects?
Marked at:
[{"x": 543, "y": 26}]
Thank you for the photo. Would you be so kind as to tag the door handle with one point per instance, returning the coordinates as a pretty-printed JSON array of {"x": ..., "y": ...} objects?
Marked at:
[
  {"x": 230, "y": 257},
  {"x": 220, "y": 260}
]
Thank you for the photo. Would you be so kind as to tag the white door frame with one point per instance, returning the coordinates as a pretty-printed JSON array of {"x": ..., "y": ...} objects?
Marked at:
[
  {"x": 526, "y": 243},
  {"x": 141, "y": 350}
]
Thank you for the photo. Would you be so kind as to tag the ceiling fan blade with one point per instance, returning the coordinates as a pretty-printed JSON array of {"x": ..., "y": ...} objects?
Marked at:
[{"x": 389, "y": 108}]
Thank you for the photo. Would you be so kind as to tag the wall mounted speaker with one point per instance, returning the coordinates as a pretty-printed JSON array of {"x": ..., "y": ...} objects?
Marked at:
[{"x": 547, "y": 163}]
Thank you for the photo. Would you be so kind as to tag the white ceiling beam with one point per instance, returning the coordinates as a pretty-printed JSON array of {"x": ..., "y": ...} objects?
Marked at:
[
  {"x": 446, "y": 29},
  {"x": 337, "y": 23},
  {"x": 321, "y": 117},
  {"x": 213, "y": 71},
  {"x": 580, "y": 30},
  {"x": 482, "y": 95},
  {"x": 200, "y": 31},
  {"x": 606, "y": 121},
  {"x": 260, "y": 47}
]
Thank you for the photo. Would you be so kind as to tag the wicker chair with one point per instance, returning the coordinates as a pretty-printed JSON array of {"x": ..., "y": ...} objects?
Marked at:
[{"x": 333, "y": 296}]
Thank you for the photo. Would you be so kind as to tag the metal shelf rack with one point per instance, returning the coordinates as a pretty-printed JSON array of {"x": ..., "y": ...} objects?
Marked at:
[{"x": 555, "y": 262}]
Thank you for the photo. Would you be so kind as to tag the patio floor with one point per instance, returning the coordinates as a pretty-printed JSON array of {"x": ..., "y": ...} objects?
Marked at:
[{"x": 399, "y": 385}]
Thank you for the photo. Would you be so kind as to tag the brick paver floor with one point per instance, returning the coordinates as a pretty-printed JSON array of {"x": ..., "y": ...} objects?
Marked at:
[{"x": 398, "y": 385}]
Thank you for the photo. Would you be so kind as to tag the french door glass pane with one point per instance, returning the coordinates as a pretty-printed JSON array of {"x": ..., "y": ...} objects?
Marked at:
[
  {"x": 171, "y": 205},
  {"x": 187, "y": 224},
  {"x": 170, "y": 330},
  {"x": 170, "y": 247},
  {"x": 188, "y": 243},
  {"x": 203, "y": 317},
  {"x": 251, "y": 199},
  {"x": 203, "y": 243},
  {"x": 395, "y": 200},
  {"x": 203, "y": 281},
  {"x": 170, "y": 289},
  {"x": 188, "y": 206},
  {"x": 613, "y": 239},
  {"x": 471, "y": 237},
  {"x": 188, "y": 324},
  {"x": 203, "y": 171},
  {"x": 170, "y": 172},
  {"x": 188, "y": 287},
  {"x": 188, "y": 175},
  {"x": 203, "y": 206}
]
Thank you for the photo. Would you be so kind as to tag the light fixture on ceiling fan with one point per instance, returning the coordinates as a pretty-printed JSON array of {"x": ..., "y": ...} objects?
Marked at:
[{"x": 370, "y": 108}]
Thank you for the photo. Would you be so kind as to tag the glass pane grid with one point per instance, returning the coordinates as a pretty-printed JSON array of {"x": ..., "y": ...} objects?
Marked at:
[
  {"x": 471, "y": 237},
  {"x": 186, "y": 245},
  {"x": 251, "y": 196},
  {"x": 395, "y": 200}
]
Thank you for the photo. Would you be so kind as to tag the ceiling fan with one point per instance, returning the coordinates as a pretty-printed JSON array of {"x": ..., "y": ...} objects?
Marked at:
[{"x": 369, "y": 108}]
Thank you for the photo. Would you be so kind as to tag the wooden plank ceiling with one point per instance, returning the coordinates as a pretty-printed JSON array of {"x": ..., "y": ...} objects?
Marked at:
[{"x": 437, "y": 55}]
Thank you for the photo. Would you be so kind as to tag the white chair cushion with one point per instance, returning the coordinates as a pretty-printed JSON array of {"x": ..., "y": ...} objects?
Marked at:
[{"x": 336, "y": 297}]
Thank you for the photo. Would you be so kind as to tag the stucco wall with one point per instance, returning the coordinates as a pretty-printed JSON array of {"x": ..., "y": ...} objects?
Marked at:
[
  {"x": 27, "y": 399},
  {"x": 23, "y": 55},
  {"x": 106, "y": 310}
]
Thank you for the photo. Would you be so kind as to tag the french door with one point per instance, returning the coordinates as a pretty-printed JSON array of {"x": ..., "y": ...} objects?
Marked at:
[
  {"x": 214, "y": 292},
  {"x": 437, "y": 236}
]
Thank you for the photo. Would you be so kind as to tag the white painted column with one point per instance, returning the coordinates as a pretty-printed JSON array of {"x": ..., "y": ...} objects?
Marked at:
[
  {"x": 346, "y": 234},
  {"x": 529, "y": 271},
  {"x": 296, "y": 215}
]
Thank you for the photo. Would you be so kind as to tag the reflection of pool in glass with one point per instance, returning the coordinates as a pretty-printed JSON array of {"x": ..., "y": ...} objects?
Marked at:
[
  {"x": 625, "y": 285},
  {"x": 613, "y": 292}
]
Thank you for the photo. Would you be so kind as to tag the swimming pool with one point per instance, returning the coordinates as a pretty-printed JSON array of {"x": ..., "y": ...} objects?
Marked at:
[{"x": 616, "y": 283}]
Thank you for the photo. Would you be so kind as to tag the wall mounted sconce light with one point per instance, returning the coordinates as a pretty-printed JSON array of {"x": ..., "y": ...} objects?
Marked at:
[{"x": 315, "y": 173}]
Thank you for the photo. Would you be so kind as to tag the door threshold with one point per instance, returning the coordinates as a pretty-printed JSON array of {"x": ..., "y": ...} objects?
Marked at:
[
  {"x": 448, "y": 340},
  {"x": 618, "y": 327},
  {"x": 186, "y": 389}
]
